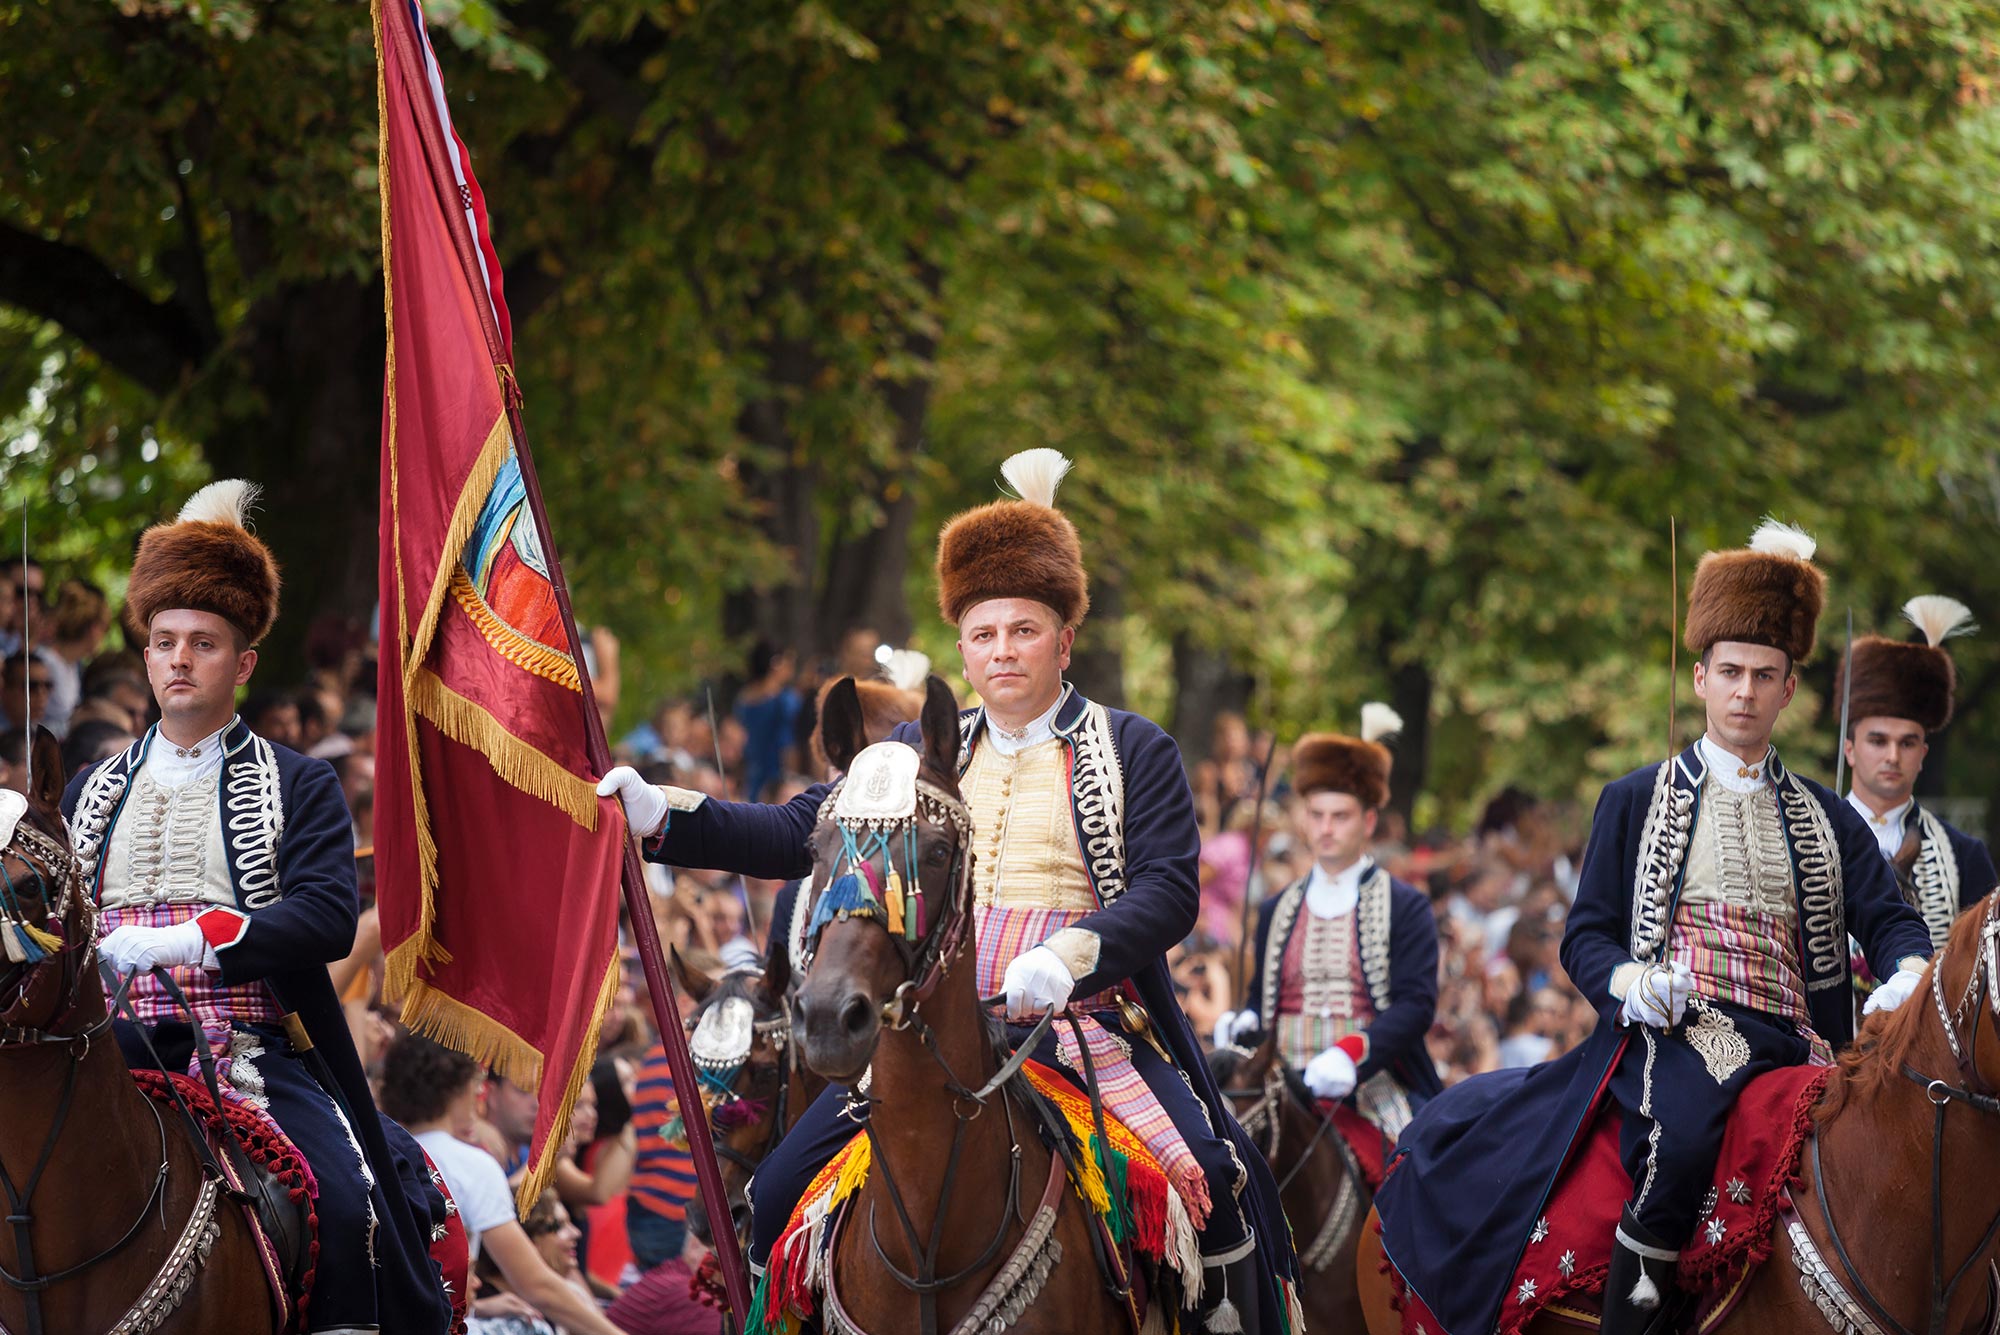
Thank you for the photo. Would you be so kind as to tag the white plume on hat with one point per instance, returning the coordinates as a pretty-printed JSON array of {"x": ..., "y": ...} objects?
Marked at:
[
  {"x": 1379, "y": 721},
  {"x": 225, "y": 502},
  {"x": 1777, "y": 539},
  {"x": 907, "y": 669},
  {"x": 1939, "y": 617},
  {"x": 1035, "y": 474}
]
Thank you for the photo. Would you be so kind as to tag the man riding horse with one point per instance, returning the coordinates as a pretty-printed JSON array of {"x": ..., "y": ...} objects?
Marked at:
[
  {"x": 1347, "y": 957},
  {"x": 1711, "y": 929},
  {"x": 1084, "y": 874},
  {"x": 229, "y": 861},
  {"x": 1896, "y": 695}
]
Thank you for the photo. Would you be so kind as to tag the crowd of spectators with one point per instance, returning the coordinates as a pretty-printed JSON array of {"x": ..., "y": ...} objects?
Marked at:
[{"x": 606, "y": 1248}]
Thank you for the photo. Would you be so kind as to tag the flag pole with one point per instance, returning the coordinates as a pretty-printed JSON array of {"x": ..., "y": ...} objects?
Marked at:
[
  {"x": 645, "y": 932},
  {"x": 638, "y": 907}
]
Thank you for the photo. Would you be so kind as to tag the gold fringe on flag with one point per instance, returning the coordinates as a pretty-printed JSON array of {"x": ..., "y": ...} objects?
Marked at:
[
  {"x": 541, "y": 1172},
  {"x": 512, "y": 759}
]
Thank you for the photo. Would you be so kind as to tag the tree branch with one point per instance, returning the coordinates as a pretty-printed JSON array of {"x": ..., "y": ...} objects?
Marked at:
[{"x": 153, "y": 342}]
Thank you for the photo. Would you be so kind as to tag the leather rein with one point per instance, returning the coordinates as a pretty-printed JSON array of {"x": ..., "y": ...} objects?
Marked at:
[
  {"x": 926, "y": 961},
  {"x": 1982, "y": 983}
]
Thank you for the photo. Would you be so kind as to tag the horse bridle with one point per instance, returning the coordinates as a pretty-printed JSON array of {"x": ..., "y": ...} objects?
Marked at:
[
  {"x": 925, "y": 963},
  {"x": 777, "y": 1031},
  {"x": 77, "y": 916},
  {"x": 1982, "y": 982},
  {"x": 924, "y": 960}
]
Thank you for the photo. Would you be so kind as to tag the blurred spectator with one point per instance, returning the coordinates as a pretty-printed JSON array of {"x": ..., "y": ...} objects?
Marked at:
[
  {"x": 663, "y": 1181},
  {"x": 315, "y": 725},
  {"x": 15, "y": 771},
  {"x": 77, "y": 629},
  {"x": 433, "y": 1092},
  {"x": 356, "y": 773},
  {"x": 274, "y": 717},
  {"x": 767, "y": 708},
  {"x": 23, "y": 611},
  {"x": 115, "y": 693},
  {"x": 91, "y": 740},
  {"x": 26, "y": 685}
]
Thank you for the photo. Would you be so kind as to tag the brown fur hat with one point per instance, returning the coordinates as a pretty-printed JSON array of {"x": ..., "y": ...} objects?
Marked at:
[
  {"x": 1897, "y": 679},
  {"x": 1022, "y": 548},
  {"x": 1769, "y": 593},
  {"x": 208, "y": 561},
  {"x": 1328, "y": 762}
]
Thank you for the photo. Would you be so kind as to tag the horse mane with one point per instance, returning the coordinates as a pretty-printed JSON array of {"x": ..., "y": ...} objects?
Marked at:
[{"x": 1873, "y": 1063}]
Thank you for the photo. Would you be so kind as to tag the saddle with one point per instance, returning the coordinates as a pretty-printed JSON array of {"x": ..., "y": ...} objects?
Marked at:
[
  {"x": 1562, "y": 1269},
  {"x": 266, "y": 1174},
  {"x": 264, "y": 1171},
  {"x": 1146, "y": 1229}
]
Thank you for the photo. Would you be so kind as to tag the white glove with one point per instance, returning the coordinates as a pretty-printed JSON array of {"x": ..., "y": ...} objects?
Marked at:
[
  {"x": 1036, "y": 982},
  {"x": 1234, "y": 1024},
  {"x": 1331, "y": 1075},
  {"x": 146, "y": 948},
  {"x": 1658, "y": 996},
  {"x": 1902, "y": 985},
  {"x": 645, "y": 805}
]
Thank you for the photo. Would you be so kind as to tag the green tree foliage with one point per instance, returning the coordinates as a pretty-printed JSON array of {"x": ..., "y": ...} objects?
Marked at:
[{"x": 1387, "y": 336}]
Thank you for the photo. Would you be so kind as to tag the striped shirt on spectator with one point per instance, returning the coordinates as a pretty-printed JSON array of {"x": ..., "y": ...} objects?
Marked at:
[{"x": 663, "y": 1179}]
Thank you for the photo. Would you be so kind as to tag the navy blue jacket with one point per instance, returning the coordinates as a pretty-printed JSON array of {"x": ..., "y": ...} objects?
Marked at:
[
  {"x": 1396, "y": 1037},
  {"x": 301, "y": 912},
  {"x": 1976, "y": 876},
  {"x": 1474, "y": 1170},
  {"x": 1144, "y": 872}
]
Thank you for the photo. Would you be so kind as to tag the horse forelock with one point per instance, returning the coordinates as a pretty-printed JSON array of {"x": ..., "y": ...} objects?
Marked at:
[{"x": 1874, "y": 1063}]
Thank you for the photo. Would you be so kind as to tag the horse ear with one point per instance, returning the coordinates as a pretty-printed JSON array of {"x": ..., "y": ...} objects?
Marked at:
[
  {"x": 687, "y": 979},
  {"x": 843, "y": 733},
  {"x": 48, "y": 773},
  {"x": 778, "y": 959},
  {"x": 940, "y": 725}
]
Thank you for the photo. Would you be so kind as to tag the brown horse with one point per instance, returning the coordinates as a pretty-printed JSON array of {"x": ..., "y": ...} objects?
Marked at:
[
  {"x": 761, "y": 1084},
  {"x": 1321, "y": 1186},
  {"x": 1897, "y": 1219},
  {"x": 121, "y": 1225},
  {"x": 965, "y": 1212}
]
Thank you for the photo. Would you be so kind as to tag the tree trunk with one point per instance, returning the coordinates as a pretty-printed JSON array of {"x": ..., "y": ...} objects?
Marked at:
[
  {"x": 1206, "y": 685},
  {"x": 1097, "y": 664},
  {"x": 312, "y": 439},
  {"x": 1410, "y": 696}
]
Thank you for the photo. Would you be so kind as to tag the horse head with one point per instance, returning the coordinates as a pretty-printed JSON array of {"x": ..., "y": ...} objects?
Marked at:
[
  {"x": 740, "y": 1038},
  {"x": 48, "y": 925},
  {"x": 892, "y": 881}
]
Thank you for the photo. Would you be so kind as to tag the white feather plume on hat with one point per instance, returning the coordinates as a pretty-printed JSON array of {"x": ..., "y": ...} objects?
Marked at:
[
  {"x": 1378, "y": 721},
  {"x": 1035, "y": 474},
  {"x": 1939, "y": 617}
]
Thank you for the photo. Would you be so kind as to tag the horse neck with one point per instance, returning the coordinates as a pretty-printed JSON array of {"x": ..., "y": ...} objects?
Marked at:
[
  {"x": 1880, "y": 1149},
  {"x": 105, "y": 1138},
  {"x": 915, "y": 1097}
]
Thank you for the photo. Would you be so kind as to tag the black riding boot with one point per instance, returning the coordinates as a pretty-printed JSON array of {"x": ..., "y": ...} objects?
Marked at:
[
  {"x": 1232, "y": 1299},
  {"x": 1641, "y": 1296}
]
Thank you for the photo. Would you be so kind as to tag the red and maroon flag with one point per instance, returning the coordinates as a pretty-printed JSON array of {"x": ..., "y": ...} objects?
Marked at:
[{"x": 497, "y": 864}]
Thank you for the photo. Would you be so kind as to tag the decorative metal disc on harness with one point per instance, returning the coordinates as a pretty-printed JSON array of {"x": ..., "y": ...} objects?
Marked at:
[{"x": 878, "y": 809}]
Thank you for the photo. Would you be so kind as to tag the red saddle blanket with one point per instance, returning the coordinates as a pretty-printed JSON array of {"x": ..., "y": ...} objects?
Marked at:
[
  {"x": 1569, "y": 1253},
  {"x": 273, "y": 1154},
  {"x": 1363, "y": 1137}
]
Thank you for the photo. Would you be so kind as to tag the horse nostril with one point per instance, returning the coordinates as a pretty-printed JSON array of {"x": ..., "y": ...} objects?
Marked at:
[{"x": 857, "y": 1014}]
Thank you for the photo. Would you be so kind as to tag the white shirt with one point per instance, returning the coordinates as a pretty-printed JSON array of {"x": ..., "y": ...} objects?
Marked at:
[
  {"x": 1727, "y": 768},
  {"x": 1038, "y": 730},
  {"x": 175, "y": 766},
  {"x": 1330, "y": 896},
  {"x": 1887, "y": 827},
  {"x": 478, "y": 1184}
]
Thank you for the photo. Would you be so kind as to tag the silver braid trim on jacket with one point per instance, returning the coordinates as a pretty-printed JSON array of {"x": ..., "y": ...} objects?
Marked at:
[
  {"x": 1937, "y": 878},
  {"x": 1663, "y": 845},
  {"x": 1371, "y": 929},
  {"x": 1822, "y": 894},
  {"x": 1282, "y": 917},
  {"x": 254, "y": 819},
  {"x": 1097, "y": 787},
  {"x": 101, "y": 794}
]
